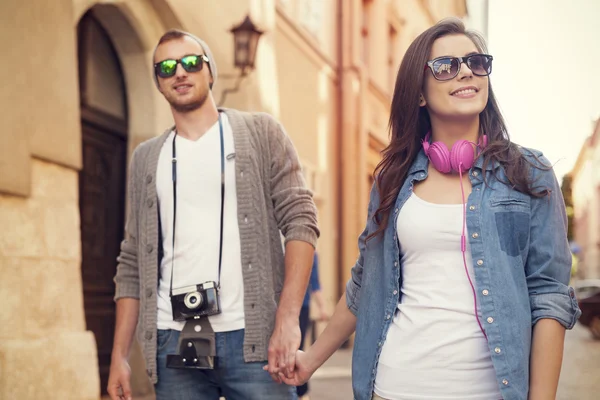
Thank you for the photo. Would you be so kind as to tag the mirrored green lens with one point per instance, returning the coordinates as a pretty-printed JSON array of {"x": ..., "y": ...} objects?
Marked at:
[
  {"x": 167, "y": 68},
  {"x": 191, "y": 63}
]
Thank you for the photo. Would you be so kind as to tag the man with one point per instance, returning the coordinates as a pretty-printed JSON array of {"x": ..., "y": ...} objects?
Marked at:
[{"x": 207, "y": 202}]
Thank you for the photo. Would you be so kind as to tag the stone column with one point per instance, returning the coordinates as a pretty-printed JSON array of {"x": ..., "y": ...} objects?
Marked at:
[{"x": 45, "y": 351}]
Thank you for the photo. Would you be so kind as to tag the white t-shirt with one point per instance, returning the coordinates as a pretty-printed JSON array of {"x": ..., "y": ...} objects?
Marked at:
[
  {"x": 197, "y": 226},
  {"x": 434, "y": 348}
]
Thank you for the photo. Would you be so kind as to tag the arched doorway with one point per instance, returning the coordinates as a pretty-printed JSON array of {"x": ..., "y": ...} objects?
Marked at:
[{"x": 101, "y": 180}]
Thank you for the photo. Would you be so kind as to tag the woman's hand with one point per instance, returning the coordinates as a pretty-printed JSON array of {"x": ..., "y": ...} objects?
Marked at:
[{"x": 303, "y": 370}]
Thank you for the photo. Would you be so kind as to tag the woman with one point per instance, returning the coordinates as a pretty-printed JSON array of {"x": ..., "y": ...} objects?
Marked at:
[{"x": 460, "y": 289}]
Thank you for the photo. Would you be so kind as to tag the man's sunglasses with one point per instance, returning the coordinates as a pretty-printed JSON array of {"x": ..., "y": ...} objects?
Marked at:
[
  {"x": 191, "y": 63},
  {"x": 446, "y": 68}
]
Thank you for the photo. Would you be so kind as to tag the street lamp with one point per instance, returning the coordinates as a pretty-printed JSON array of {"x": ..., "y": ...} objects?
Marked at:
[
  {"x": 245, "y": 38},
  {"x": 245, "y": 42}
]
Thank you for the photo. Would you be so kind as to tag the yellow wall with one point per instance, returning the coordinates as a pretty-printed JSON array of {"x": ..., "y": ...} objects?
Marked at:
[
  {"x": 44, "y": 347},
  {"x": 307, "y": 93}
]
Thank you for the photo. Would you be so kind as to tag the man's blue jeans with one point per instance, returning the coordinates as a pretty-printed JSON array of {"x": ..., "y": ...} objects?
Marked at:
[{"x": 232, "y": 378}]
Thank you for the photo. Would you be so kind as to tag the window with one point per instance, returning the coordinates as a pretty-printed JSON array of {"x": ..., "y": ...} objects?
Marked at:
[{"x": 311, "y": 16}]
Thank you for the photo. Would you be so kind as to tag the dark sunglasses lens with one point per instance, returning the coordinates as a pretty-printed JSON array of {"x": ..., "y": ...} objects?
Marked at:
[
  {"x": 445, "y": 68},
  {"x": 191, "y": 63},
  {"x": 166, "y": 68},
  {"x": 480, "y": 65}
]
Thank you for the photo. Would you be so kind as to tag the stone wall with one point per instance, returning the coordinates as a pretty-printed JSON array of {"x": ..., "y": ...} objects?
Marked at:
[{"x": 44, "y": 347}]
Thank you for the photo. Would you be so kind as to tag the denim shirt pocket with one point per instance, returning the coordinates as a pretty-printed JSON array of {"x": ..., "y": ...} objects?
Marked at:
[{"x": 512, "y": 219}]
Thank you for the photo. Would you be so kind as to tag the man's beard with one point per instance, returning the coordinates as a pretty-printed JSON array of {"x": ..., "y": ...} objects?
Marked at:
[{"x": 189, "y": 106}]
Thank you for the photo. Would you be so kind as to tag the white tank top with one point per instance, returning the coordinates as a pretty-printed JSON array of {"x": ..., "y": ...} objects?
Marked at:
[{"x": 434, "y": 348}]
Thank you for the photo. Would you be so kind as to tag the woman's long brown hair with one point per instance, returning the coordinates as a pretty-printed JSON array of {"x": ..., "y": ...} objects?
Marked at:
[{"x": 409, "y": 123}]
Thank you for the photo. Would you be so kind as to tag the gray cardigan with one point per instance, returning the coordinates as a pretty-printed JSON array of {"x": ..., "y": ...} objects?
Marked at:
[{"x": 271, "y": 197}]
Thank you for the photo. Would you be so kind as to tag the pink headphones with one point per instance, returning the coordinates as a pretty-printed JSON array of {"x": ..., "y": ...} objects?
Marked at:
[{"x": 459, "y": 159}]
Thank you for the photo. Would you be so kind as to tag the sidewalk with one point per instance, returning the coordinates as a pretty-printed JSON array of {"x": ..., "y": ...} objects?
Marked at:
[{"x": 333, "y": 380}]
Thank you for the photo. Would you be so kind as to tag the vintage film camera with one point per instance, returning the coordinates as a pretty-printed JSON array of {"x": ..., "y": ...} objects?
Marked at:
[{"x": 193, "y": 302}]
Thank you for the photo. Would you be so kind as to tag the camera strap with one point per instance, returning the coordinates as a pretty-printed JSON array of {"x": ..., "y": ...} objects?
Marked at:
[{"x": 174, "y": 168}]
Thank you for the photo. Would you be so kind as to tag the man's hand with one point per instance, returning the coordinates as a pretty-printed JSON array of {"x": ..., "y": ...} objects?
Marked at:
[
  {"x": 283, "y": 345},
  {"x": 303, "y": 371},
  {"x": 119, "y": 380}
]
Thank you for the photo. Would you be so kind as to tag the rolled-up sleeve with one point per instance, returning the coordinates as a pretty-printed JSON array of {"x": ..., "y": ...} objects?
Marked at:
[
  {"x": 295, "y": 210},
  {"x": 127, "y": 279},
  {"x": 353, "y": 285},
  {"x": 548, "y": 266}
]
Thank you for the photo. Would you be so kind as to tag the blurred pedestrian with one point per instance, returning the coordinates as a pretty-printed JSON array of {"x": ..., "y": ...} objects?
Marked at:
[{"x": 314, "y": 293}]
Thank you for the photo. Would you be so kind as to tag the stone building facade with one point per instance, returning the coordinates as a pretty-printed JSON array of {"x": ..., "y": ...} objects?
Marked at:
[
  {"x": 586, "y": 204},
  {"x": 78, "y": 97}
]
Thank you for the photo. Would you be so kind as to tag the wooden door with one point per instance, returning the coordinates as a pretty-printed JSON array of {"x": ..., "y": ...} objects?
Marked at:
[
  {"x": 102, "y": 180},
  {"x": 101, "y": 202}
]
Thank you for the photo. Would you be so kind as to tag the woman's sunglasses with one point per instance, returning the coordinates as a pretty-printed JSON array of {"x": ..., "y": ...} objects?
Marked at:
[
  {"x": 191, "y": 63},
  {"x": 446, "y": 68}
]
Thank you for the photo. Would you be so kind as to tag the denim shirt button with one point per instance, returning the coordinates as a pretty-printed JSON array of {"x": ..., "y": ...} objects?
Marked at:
[
  {"x": 395, "y": 292},
  {"x": 479, "y": 262},
  {"x": 497, "y": 350},
  {"x": 485, "y": 292},
  {"x": 387, "y": 316},
  {"x": 472, "y": 208},
  {"x": 395, "y": 263},
  {"x": 475, "y": 235},
  {"x": 505, "y": 382},
  {"x": 490, "y": 320},
  {"x": 396, "y": 211},
  {"x": 475, "y": 173}
]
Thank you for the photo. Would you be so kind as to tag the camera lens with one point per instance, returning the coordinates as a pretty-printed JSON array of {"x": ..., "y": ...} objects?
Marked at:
[{"x": 193, "y": 300}]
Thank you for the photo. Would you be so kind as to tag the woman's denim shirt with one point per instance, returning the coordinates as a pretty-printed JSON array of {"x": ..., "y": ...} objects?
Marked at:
[{"x": 522, "y": 266}]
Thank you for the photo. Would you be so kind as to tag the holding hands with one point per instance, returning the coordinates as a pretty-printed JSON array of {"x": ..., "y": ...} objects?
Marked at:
[{"x": 300, "y": 374}]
